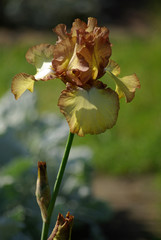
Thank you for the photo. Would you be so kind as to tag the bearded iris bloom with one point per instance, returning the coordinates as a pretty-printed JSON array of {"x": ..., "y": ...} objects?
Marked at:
[{"x": 79, "y": 59}]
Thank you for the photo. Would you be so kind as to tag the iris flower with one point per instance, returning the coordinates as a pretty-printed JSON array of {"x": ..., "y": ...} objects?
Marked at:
[{"x": 80, "y": 58}]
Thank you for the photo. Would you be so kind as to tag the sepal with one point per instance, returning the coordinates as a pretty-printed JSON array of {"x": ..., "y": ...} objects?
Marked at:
[{"x": 42, "y": 190}]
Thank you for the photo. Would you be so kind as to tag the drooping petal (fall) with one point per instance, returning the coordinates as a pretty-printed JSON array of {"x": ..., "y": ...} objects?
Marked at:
[
  {"x": 20, "y": 83},
  {"x": 41, "y": 57},
  {"x": 125, "y": 86},
  {"x": 89, "y": 111}
]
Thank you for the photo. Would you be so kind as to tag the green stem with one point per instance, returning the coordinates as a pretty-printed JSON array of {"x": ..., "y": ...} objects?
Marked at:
[{"x": 45, "y": 227}]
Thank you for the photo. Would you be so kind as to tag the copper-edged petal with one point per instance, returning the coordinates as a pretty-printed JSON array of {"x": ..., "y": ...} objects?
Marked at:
[
  {"x": 92, "y": 23},
  {"x": 20, "y": 83},
  {"x": 63, "y": 52},
  {"x": 61, "y": 31},
  {"x": 89, "y": 111},
  {"x": 102, "y": 51},
  {"x": 39, "y": 54},
  {"x": 78, "y": 25},
  {"x": 125, "y": 86}
]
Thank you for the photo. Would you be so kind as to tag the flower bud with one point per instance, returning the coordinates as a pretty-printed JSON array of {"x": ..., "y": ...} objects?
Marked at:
[
  {"x": 63, "y": 228},
  {"x": 42, "y": 190}
]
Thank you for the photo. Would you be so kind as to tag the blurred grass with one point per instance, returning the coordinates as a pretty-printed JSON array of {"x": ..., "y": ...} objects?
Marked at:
[{"x": 133, "y": 145}]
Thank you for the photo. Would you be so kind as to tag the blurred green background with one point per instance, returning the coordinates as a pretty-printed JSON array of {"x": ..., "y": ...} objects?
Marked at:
[{"x": 132, "y": 147}]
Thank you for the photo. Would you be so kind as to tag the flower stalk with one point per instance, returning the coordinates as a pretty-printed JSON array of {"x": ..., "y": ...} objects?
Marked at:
[{"x": 46, "y": 224}]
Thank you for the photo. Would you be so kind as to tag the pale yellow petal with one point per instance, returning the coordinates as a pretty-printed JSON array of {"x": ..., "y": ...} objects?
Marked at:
[
  {"x": 113, "y": 67},
  {"x": 89, "y": 111},
  {"x": 126, "y": 86},
  {"x": 20, "y": 83}
]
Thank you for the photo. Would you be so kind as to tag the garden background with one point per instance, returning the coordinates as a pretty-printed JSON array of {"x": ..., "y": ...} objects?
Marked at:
[{"x": 122, "y": 166}]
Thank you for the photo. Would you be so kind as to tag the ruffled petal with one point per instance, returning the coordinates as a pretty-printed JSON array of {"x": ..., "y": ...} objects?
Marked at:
[
  {"x": 125, "y": 86},
  {"x": 78, "y": 25},
  {"x": 102, "y": 51},
  {"x": 63, "y": 52},
  {"x": 89, "y": 111},
  {"x": 41, "y": 57},
  {"x": 20, "y": 83},
  {"x": 61, "y": 31},
  {"x": 92, "y": 23},
  {"x": 82, "y": 54},
  {"x": 78, "y": 68},
  {"x": 69, "y": 62},
  {"x": 39, "y": 54}
]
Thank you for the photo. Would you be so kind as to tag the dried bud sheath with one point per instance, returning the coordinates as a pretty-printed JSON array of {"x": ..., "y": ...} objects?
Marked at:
[
  {"x": 42, "y": 190},
  {"x": 63, "y": 228}
]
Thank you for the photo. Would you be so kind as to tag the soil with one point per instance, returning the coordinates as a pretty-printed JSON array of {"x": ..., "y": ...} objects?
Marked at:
[{"x": 136, "y": 204}]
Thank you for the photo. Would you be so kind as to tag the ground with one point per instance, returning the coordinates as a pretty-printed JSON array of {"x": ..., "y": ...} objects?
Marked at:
[{"x": 135, "y": 201}]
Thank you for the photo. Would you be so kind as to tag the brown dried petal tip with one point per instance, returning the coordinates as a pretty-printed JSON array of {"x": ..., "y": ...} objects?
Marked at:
[{"x": 63, "y": 228}]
